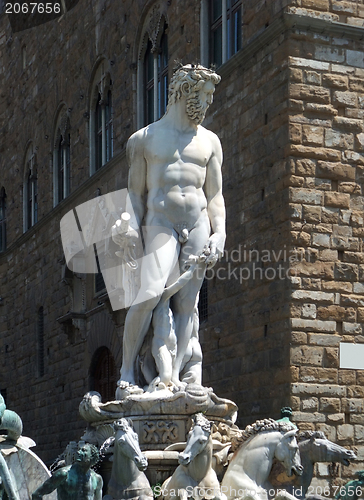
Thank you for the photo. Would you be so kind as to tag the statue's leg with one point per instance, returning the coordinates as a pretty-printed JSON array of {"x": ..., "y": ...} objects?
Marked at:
[
  {"x": 192, "y": 364},
  {"x": 161, "y": 254},
  {"x": 185, "y": 300}
]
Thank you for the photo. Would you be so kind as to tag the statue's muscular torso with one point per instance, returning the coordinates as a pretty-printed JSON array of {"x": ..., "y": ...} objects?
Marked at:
[
  {"x": 175, "y": 174},
  {"x": 77, "y": 486}
]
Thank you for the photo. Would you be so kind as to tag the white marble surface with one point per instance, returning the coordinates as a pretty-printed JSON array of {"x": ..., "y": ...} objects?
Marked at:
[{"x": 175, "y": 187}]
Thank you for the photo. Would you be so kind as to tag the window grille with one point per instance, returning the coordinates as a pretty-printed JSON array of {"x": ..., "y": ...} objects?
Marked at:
[{"x": 203, "y": 304}]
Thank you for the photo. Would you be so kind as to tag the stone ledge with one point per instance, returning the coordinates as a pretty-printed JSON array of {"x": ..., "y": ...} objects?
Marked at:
[
  {"x": 318, "y": 390},
  {"x": 313, "y": 325}
]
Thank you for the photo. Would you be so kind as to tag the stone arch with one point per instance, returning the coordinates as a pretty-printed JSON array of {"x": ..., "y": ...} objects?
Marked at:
[
  {"x": 29, "y": 146},
  {"x": 103, "y": 373},
  {"x": 104, "y": 354},
  {"x": 100, "y": 101},
  {"x": 101, "y": 67},
  {"x": 60, "y": 142},
  {"x": 150, "y": 25},
  {"x": 61, "y": 121},
  {"x": 154, "y": 23},
  {"x": 102, "y": 332}
]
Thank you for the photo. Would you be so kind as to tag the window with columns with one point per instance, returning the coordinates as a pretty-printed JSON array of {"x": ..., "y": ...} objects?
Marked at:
[
  {"x": 156, "y": 79},
  {"x": 2, "y": 220},
  {"x": 61, "y": 159},
  {"x": 221, "y": 30},
  {"x": 153, "y": 68},
  {"x": 103, "y": 130},
  {"x": 101, "y": 119},
  {"x": 30, "y": 191}
]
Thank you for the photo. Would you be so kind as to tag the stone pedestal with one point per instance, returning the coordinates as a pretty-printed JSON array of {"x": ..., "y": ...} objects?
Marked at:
[{"x": 161, "y": 419}]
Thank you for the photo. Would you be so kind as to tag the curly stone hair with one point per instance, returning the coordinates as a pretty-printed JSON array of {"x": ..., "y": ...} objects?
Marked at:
[
  {"x": 200, "y": 420},
  {"x": 122, "y": 424},
  {"x": 267, "y": 424},
  {"x": 187, "y": 78}
]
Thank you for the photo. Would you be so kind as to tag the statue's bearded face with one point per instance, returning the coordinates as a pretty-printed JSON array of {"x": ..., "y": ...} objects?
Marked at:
[
  {"x": 194, "y": 108},
  {"x": 198, "y": 102}
]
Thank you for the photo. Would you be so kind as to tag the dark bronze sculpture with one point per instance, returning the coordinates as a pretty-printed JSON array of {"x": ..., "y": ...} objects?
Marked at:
[{"x": 77, "y": 481}]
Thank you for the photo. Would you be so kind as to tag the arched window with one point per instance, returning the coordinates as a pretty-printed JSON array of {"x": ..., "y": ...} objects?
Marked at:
[
  {"x": 153, "y": 68},
  {"x": 103, "y": 374},
  {"x": 30, "y": 190},
  {"x": 2, "y": 220},
  {"x": 101, "y": 119},
  {"x": 61, "y": 159},
  {"x": 221, "y": 30}
]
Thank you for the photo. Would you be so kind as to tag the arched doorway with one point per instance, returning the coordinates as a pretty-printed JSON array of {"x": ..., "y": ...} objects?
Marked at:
[{"x": 103, "y": 374}]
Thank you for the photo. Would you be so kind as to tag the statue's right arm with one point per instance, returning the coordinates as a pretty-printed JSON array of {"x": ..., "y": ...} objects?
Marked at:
[
  {"x": 49, "y": 485},
  {"x": 137, "y": 175}
]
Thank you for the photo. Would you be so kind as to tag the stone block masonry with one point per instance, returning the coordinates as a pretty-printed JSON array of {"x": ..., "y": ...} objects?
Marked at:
[{"x": 326, "y": 153}]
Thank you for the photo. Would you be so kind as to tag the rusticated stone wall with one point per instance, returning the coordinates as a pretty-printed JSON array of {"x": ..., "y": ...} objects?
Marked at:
[{"x": 326, "y": 203}]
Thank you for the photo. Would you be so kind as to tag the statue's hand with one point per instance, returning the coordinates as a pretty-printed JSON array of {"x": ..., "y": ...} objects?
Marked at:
[{"x": 214, "y": 249}]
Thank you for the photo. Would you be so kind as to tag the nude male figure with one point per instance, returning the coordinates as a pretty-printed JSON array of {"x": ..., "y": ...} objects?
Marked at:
[
  {"x": 77, "y": 481},
  {"x": 176, "y": 163}
]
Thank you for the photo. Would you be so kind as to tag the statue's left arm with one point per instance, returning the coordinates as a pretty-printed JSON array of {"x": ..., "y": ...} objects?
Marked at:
[{"x": 215, "y": 202}]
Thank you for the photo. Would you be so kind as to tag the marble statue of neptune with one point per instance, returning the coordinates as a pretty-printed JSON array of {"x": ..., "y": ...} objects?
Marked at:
[{"x": 175, "y": 187}]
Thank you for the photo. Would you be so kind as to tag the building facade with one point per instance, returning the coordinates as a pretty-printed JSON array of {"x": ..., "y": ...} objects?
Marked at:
[{"x": 289, "y": 112}]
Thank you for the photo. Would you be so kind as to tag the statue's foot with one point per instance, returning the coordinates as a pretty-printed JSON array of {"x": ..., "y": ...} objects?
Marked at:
[
  {"x": 158, "y": 385},
  {"x": 178, "y": 385},
  {"x": 126, "y": 389},
  {"x": 191, "y": 379}
]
